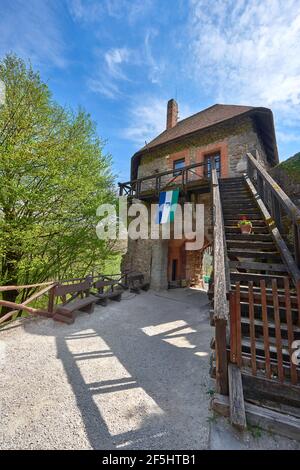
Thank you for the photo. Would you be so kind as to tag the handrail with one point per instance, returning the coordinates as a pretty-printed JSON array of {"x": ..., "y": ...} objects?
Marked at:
[
  {"x": 24, "y": 305},
  {"x": 221, "y": 283},
  {"x": 280, "y": 195},
  {"x": 134, "y": 186},
  {"x": 278, "y": 200},
  {"x": 221, "y": 288}
]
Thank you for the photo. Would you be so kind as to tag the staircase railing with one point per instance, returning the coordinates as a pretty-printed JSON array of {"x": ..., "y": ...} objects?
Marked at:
[
  {"x": 221, "y": 287},
  {"x": 276, "y": 200},
  {"x": 157, "y": 182}
]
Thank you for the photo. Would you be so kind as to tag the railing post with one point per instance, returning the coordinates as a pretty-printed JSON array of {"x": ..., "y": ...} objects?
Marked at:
[
  {"x": 297, "y": 244},
  {"x": 51, "y": 300},
  {"x": 260, "y": 186},
  {"x": 221, "y": 356},
  {"x": 275, "y": 211}
]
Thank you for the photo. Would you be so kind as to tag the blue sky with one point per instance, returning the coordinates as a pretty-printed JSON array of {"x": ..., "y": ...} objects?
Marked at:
[{"x": 123, "y": 59}]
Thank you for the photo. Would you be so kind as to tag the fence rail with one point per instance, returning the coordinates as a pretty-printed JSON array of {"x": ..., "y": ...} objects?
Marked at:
[
  {"x": 157, "y": 182},
  {"x": 49, "y": 289},
  {"x": 264, "y": 323},
  {"x": 276, "y": 200}
]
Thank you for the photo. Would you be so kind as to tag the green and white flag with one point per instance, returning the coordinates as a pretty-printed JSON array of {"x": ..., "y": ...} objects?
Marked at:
[{"x": 167, "y": 206}]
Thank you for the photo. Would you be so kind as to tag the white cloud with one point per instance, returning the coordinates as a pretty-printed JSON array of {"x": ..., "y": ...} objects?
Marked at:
[
  {"x": 131, "y": 10},
  {"x": 114, "y": 58},
  {"x": 32, "y": 31},
  {"x": 147, "y": 117},
  {"x": 85, "y": 11},
  {"x": 90, "y": 11},
  {"x": 156, "y": 67},
  {"x": 103, "y": 85},
  {"x": 247, "y": 51},
  {"x": 106, "y": 81}
]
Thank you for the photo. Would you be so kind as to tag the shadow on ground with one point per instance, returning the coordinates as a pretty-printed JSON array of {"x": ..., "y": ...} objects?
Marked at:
[{"x": 138, "y": 371}]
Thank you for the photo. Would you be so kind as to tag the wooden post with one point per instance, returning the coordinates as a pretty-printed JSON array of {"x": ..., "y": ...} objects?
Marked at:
[
  {"x": 51, "y": 299},
  {"x": 232, "y": 317},
  {"x": 275, "y": 211},
  {"x": 221, "y": 357},
  {"x": 297, "y": 245}
]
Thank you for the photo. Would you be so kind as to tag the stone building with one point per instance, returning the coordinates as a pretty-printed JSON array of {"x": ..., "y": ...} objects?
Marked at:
[{"x": 180, "y": 157}]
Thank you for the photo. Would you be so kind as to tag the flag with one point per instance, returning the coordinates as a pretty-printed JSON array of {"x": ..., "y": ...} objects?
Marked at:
[{"x": 167, "y": 206}]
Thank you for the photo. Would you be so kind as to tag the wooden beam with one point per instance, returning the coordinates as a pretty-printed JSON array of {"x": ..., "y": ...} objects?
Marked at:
[
  {"x": 264, "y": 418},
  {"x": 261, "y": 388},
  {"x": 7, "y": 288},
  {"x": 221, "y": 287},
  {"x": 221, "y": 356},
  {"x": 236, "y": 398}
]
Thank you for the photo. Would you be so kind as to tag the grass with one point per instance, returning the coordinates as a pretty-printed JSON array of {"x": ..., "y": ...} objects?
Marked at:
[{"x": 255, "y": 431}]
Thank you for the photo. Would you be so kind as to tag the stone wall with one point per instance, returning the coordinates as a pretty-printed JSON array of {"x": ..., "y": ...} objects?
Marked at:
[
  {"x": 238, "y": 146},
  {"x": 233, "y": 140},
  {"x": 149, "y": 257},
  {"x": 152, "y": 257}
]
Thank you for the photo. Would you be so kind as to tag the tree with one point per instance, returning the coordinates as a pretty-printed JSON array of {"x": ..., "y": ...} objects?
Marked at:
[{"x": 53, "y": 177}]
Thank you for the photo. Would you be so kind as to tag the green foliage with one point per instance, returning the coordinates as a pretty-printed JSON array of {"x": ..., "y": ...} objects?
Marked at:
[
  {"x": 291, "y": 166},
  {"x": 244, "y": 222},
  {"x": 54, "y": 175}
]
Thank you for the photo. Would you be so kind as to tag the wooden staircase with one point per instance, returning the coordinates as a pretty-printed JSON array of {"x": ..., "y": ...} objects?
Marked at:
[
  {"x": 256, "y": 300},
  {"x": 254, "y": 258}
]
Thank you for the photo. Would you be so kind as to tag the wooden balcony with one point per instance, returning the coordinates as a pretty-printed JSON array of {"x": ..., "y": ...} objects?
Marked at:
[{"x": 189, "y": 178}]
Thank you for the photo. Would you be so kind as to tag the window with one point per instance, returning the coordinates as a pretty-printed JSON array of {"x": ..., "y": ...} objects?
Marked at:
[
  {"x": 177, "y": 165},
  {"x": 207, "y": 162}
]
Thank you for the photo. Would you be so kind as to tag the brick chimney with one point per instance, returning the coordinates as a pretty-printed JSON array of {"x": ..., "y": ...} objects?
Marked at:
[{"x": 172, "y": 113}]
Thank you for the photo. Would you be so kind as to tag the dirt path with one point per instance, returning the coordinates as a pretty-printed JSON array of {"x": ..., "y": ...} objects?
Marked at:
[{"x": 133, "y": 375}]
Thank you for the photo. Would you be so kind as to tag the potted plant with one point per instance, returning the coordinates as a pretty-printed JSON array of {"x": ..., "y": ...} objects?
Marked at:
[{"x": 245, "y": 225}]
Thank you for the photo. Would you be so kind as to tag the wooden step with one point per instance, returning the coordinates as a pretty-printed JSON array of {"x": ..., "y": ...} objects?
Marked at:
[
  {"x": 237, "y": 216},
  {"x": 236, "y": 230},
  {"x": 233, "y": 219},
  {"x": 271, "y": 324},
  {"x": 259, "y": 346},
  {"x": 261, "y": 245},
  {"x": 238, "y": 202},
  {"x": 236, "y": 196},
  {"x": 261, "y": 417},
  {"x": 256, "y": 278},
  {"x": 249, "y": 265},
  {"x": 233, "y": 185},
  {"x": 239, "y": 253},
  {"x": 269, "y": 296},
  {"x": 270, "y": 311},
  {"x": 232, "y": 179},
  {"x": 251, "y": 237}
]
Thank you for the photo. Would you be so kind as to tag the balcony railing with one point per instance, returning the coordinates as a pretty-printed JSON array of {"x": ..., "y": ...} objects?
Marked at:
[{"x": 183, "y": 178}]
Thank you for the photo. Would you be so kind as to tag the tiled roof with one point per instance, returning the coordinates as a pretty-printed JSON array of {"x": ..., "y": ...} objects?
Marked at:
[{"x": 208, "y": 117}]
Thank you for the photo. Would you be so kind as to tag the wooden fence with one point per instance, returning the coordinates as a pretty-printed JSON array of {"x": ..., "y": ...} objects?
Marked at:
[
  {"x": 264, "y": 323},
  {"x": 49, "y": 288},
  {"x": 46, "y": 288}
]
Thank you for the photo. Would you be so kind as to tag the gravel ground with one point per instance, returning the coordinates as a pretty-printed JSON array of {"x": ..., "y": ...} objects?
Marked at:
[{"x": 131, "y": 375}]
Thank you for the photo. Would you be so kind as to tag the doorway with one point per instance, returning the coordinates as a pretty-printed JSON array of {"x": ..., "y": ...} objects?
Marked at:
[{"x": 174, "y": 270}]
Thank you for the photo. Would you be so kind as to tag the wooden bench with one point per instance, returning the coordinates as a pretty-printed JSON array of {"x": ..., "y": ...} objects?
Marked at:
[
  {"x": 65, "y": 311},
  {"x": 136, "y": 282},
  {"x": 103, "y": 295}
]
